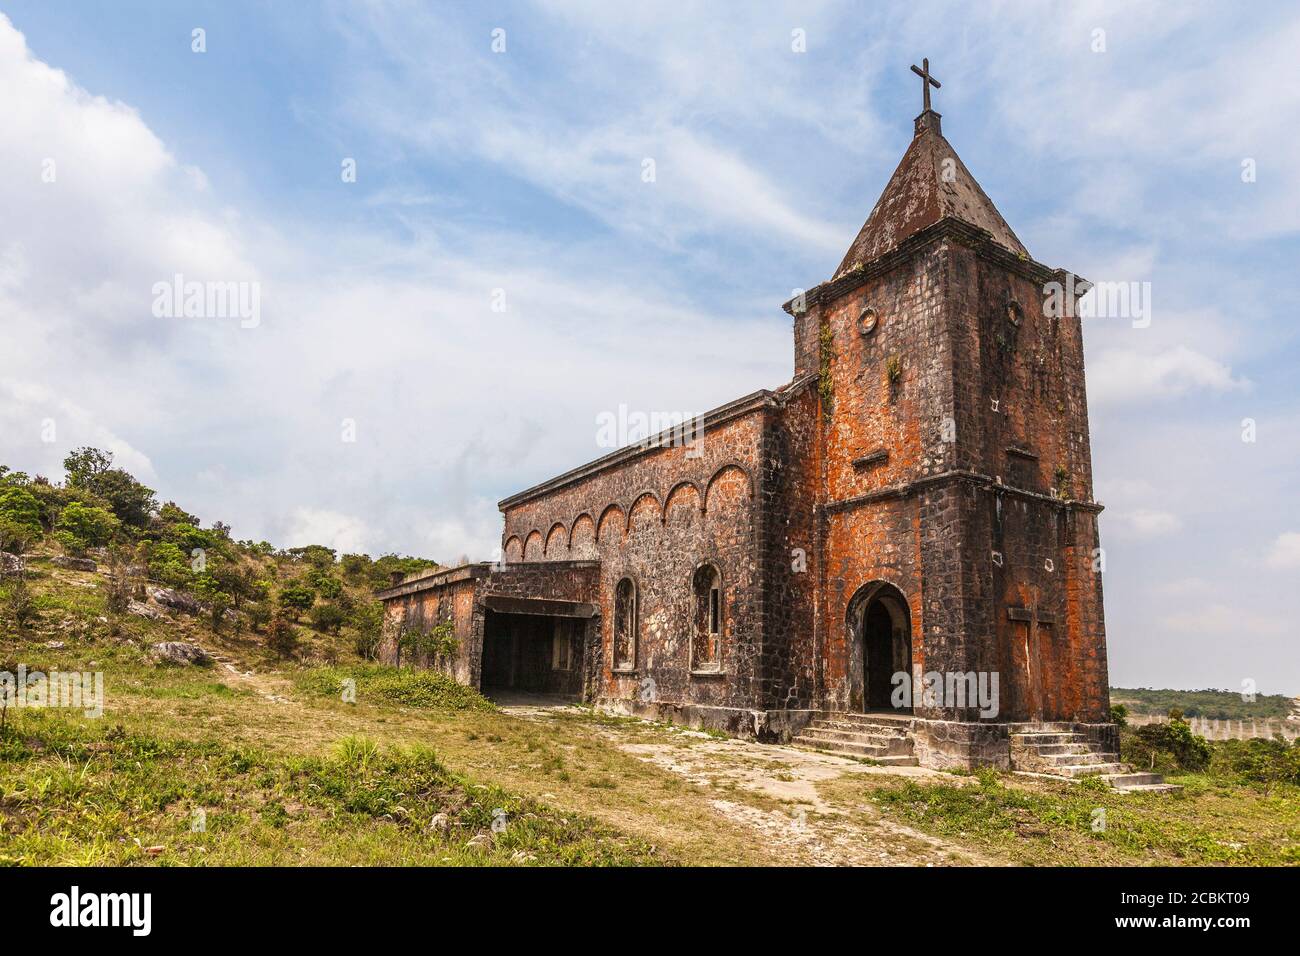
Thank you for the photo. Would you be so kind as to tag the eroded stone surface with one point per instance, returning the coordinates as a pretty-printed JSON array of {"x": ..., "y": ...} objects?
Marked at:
[{"x": 929, "y": 458}]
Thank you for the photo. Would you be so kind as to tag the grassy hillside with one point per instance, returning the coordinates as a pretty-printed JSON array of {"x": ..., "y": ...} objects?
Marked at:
[
  {"x": 279, "y": 766},
  {"x": 297, "y": 602},
  {"x": 1211, "y": 704}
]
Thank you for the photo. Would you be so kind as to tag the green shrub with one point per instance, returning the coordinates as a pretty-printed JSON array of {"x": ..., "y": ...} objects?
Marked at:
[
  {"x": 328, "y": 618},
  {"x": 168, "y": 564},
  {"x": 81, "y": 526},
  {"x": 16, "y": 537},
  {"x": 259, "y": 614},
  {"x": 1258, "y": 761},
  {"x": 187, "y": 537},
  {"x": 325, "y": 585},
  {"x": 295, "y": 599},
  {"x": 20, "y": 510},
  {"x": 17, "y": 602},
  {"x": 368, "y": 620},
  {"x": 412, "y": 688},
  {"x": 1167, "y": 747},
  {"x": 281, "y": 636}
]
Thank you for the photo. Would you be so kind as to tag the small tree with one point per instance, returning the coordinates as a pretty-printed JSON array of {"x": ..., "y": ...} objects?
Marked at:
[
  {"x": 296, "y": 599},
  {"x": 80, "y": 527},
  {"x": 17, "y": 601},
  {"x": 20, "y": 511},
  {"x": 120, "y": 582},
  {"x": 91, "y": 469},
  {"x": 1119, "y": 715},
  {"x": 368, "y": 619},
  {"x": 1169, "y": 745},
  {"x": 16, "y": 537},
  {"x": 259, "y": 614},
  {"x": 281, "y": 636},
  {"x": 168, "y": 564},
  {"x": 355, "y": 567},
  {"x": 328, "y": 618},
  {"x": 208, "y": 589}
]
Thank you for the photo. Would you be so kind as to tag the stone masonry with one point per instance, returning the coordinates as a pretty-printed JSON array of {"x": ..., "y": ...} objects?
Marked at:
[{"x": 916, "y": 501}]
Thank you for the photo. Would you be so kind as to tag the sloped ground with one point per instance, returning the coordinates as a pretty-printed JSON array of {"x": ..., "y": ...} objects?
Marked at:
[{"x": 283, "y": 770}]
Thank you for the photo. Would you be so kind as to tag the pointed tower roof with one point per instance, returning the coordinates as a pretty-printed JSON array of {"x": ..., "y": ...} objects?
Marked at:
[{"x": 924, "y": 189}]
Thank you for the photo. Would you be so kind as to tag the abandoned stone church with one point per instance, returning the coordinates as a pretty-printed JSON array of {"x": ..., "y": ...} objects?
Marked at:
[{"x": 893, "y": 554}]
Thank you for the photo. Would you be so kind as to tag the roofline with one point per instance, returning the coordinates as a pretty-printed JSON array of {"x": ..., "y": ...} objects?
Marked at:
[
  {"x": 949, "y": 227},
  {"x": 666, "y": 438},
  {"x": 422, "y": 581}
]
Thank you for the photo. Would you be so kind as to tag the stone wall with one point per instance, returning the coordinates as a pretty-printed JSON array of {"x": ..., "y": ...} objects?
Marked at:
[{"x": 655, "y": 517}]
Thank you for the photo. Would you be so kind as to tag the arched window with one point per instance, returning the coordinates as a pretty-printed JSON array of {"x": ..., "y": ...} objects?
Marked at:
[
  {"x": 706, "y": 642},
  {"x": 625, "y": 625}
]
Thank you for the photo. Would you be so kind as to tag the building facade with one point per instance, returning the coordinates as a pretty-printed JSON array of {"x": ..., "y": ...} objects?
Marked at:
[{"x": 907, "y": 527}]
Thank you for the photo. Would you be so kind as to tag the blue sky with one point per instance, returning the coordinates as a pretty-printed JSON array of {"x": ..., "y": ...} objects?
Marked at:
[{"x": 521, "y": 171}]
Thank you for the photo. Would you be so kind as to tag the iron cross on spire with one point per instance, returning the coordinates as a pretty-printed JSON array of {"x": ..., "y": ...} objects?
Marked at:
[{"x": 927, "y": 81}]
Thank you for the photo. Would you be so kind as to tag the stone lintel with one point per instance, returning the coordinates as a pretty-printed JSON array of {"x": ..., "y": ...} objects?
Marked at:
[{"x": 548, "y": 607}]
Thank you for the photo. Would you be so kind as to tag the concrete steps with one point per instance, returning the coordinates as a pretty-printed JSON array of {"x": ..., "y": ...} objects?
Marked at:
[
  {"x": 884, "y": 738},
  {"x": 1050, "y": 750}
]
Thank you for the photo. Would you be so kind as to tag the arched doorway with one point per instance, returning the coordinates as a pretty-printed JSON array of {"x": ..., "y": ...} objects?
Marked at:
[{"x": 880, "y": 630}]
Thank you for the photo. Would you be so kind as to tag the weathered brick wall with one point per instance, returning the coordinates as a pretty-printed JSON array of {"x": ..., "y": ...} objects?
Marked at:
[
  {"x": 1021, "y": 415},
  {"x": 656, "y": 518},
  {"x": 425, "y": 609},
  {"x": 941, "y": 400},
  {"x": 891, "y": 391},
  {"x": 939, "y": 462},
  {"x": 791, "y": 550},
  {"x": 556, "y": 580}
]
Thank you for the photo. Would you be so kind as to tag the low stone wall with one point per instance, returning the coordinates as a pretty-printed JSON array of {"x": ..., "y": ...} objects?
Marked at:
[
  {"x": 772, "y": 726},
  {"x": 938, "y": 744},
  {"x": 945, "y": 744}
]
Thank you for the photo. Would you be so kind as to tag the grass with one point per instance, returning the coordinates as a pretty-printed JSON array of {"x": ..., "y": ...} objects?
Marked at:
[
  {"x": 411, "y": 688},
  {"x": 1034, "y": 822},
  {"x": 76, "y": 793},
  {"x": 287, "y": 772}
]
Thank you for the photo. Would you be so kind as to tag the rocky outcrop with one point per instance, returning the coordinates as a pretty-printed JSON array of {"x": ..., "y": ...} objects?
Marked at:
[
  {"x": 10, "y": 564},
  {"x": 74, "y": 564},
  {"x": 176, "y": 600},
  {"x": 140, "y": 609},
  {"x": 179, "y": 652}
]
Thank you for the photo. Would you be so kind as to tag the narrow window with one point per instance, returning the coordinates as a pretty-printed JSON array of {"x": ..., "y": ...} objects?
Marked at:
[
  {"x": 706, "y": 643},
  {"x": 625, "y": 624}
]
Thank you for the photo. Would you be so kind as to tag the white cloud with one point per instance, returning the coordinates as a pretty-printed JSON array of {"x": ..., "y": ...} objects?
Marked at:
[
  {"x": 455, "y": 404},
  {"x": 1120, "y": 375},
  {"x": 1227, "y": 622},
  {"x": 347, "y": 534},
  {"x": 36, "y": 413},
  {"x": 497, "y": 111},
  {"x": 1143, "y": 523},
  {"x": 1285, "y": 552}
]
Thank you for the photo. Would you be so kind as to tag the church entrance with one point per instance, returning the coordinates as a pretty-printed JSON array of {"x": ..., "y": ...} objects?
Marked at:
[{"x": 880, "y": 628}]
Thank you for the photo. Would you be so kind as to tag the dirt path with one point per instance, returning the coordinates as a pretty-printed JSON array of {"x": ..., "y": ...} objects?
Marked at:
[
  {"x": 774, "y": 790},
  {"x": 274, "y": 690}
]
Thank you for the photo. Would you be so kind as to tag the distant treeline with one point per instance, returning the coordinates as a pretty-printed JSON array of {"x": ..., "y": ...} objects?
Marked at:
[{"x": 1212, "y": 704}]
